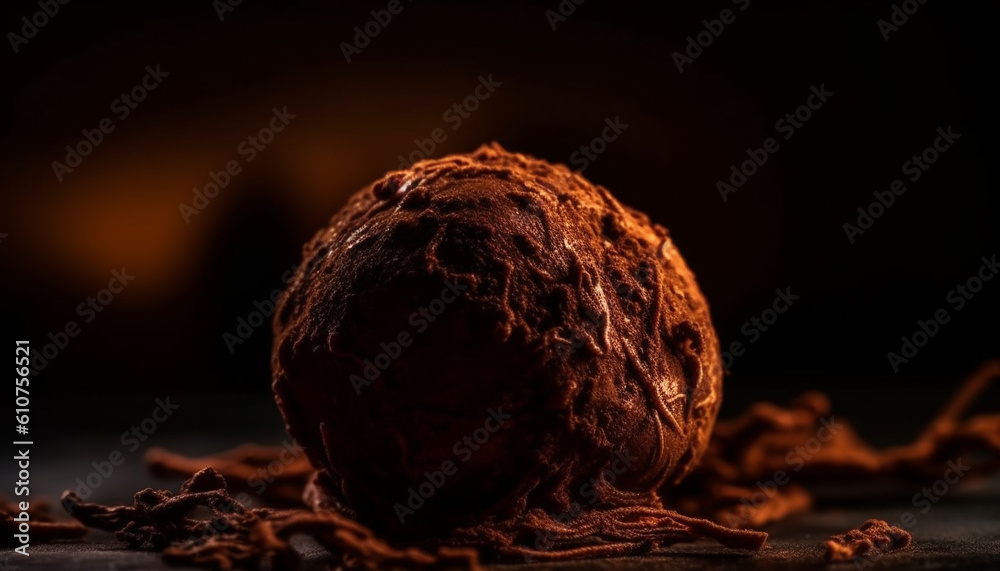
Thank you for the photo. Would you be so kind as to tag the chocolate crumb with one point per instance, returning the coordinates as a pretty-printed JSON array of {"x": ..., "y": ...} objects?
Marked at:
[
  {"x": 873, "y": 537},
  {"x": 44, "y": 527},
  {"x": 247, "y": 468},
  {"x": 756, "y": 446},
  {"x": 237, "y": 537}
]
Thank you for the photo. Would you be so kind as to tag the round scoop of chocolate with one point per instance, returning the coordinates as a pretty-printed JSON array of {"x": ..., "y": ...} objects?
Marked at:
[{"x": 486, "y": 334}]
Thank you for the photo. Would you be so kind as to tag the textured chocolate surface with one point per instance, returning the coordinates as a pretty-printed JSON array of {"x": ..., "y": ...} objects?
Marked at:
[{"x": 559, "y": 306}]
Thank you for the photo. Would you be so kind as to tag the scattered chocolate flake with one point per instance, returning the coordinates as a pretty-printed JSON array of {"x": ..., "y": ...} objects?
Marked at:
[
  {"x": 44, "y": 527},
  {"x": 724, "y": 489},
  {"x": 641, "y": 528},
  {"x": 874, "y": 537},
  {"x": 746, "y": 506},
  {"x": 237, "y": 537},
  {"x": 275, "y": 474},
  {"x": 756, "y": 447},
  {"x": 595, "y": 533}
]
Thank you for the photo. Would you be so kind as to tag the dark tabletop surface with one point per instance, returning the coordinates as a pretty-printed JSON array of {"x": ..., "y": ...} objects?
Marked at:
[
  {"x": 961, "y": 534},
  {"x": 960, "y": 531}
]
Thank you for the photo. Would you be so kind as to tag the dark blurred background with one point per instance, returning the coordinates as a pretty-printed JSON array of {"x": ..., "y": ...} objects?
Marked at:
[{"x": 164, "y": 334}]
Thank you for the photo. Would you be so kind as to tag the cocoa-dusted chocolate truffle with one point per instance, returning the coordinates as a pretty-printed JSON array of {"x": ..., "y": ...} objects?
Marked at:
[{"x": 485, "y": 335}]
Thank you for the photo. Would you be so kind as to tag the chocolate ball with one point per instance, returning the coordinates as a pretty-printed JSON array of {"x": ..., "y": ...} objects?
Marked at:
[{"x": 488, "y": 333}]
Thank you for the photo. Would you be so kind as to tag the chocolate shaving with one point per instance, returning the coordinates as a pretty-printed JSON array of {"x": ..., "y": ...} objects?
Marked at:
[
  {"x": 237, "y": 537},
  {"x": 742, "y": 451},
  {"x": 275, "y": 474},
  {"x": 740, "y": 506},
  {"x": 610, "y": 532},
  {"x": 755, "y": 448},
  {"x": 44, "y": 527},
  {"x": 874, "y": 537},
  {"x": 641, "y": 528}
]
